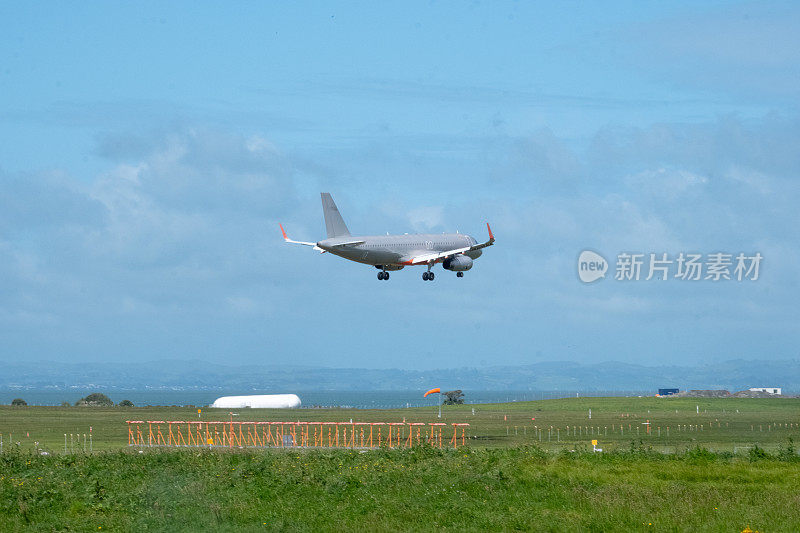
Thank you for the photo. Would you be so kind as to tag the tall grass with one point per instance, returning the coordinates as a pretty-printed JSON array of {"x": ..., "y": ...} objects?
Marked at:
[{"x": 524, "y": 488}]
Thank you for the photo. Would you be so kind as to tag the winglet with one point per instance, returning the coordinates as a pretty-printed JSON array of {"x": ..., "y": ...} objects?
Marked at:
[
  {"x": 491, "y": 236},
  {"x": 290, "y": 241}
]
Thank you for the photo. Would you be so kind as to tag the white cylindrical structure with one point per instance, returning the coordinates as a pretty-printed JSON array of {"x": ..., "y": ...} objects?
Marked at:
[{"x": 258, "y": 401}]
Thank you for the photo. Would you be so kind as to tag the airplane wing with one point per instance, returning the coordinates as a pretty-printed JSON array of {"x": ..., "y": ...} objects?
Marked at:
[
  {"x": 435, "y": 256},
  {"x": 290, "y": 241}
]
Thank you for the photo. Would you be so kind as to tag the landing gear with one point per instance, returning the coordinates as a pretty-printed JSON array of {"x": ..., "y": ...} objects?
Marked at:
[
  {"x": 428, "y": 276},
  {"x": 459, "y": 274},
  {"x": 383, "y": 275}
]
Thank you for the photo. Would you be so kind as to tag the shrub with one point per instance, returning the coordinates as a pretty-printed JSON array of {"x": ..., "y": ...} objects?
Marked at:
[
  {"x": 757, "y": 453},
  {"x": 453, "y": 397},
  {"x": 125, "y": 403},
  {"x": 96, "y": 399},
  {"x": 788, "y": 453},
  {"x": 700, "y": 454},
  {"x": 18, "y": 402}
]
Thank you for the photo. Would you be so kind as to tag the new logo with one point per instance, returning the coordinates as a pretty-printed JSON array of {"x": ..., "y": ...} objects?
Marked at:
[{"x": 591, "y": 266}]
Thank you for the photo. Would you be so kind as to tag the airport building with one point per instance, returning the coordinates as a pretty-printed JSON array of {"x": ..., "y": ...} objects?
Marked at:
[{"x": 771, "y": 390}]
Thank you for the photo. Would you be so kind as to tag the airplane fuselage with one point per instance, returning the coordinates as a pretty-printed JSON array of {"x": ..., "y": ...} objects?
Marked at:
[{"x": 388, "y": 251}]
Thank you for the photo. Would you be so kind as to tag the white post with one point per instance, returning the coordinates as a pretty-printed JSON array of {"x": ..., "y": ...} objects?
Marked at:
[{"x": 590, "y": 414}]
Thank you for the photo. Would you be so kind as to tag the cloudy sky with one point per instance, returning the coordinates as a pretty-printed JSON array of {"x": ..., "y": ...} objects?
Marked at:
[{"x": 149, "y": 151}]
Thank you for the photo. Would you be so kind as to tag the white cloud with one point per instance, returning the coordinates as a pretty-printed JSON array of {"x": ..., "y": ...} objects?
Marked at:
[
  {"x": 667, "y": 183},
  {"x": 185, "y": 234},
  {"x": 755, "y": 180},
  {"x": 426, "y": 218}
]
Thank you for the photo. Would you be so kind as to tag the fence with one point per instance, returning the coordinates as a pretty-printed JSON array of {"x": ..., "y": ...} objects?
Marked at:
[{"x": 293, "y": 434}]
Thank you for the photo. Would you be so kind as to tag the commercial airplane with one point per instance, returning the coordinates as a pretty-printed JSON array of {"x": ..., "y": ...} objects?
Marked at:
[{"x": 455, "y": 251}]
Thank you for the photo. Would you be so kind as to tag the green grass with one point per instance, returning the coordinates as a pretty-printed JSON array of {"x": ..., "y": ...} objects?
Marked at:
[
  {"x": 505, "y": 479},
  {"x": 490, "y": 489},
  {"x": 730, "y": 424}
]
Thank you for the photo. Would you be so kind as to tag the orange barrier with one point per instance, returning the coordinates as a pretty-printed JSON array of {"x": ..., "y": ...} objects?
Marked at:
[{"x": 231, "y": 434}]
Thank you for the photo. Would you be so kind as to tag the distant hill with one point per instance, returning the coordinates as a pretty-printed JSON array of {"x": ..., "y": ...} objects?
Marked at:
[{"x": 550, "y": 376}]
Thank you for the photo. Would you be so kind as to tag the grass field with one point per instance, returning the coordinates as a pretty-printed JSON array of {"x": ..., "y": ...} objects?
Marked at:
[
  {"x": 729, "y": 424},
  {"x": 506, "y": 478},
  {"x": 489, "y": 489}
]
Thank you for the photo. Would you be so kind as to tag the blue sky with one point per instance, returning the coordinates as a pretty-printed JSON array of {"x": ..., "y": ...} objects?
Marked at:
[{"x": 148, "y": 152}]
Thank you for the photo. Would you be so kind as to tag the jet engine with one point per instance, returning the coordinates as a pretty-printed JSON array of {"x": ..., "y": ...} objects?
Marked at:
[{"x": 457, "y": 263}]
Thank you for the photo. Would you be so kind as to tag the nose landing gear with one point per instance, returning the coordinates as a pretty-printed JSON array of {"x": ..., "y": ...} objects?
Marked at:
[{"x": 459, "y": 274}]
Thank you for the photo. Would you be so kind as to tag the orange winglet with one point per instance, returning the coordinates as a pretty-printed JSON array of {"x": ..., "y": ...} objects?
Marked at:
[
  {"x": 491, "y": 236},
  {"x": 285, "y": 238},
  {"x": 432, "y": 391}
]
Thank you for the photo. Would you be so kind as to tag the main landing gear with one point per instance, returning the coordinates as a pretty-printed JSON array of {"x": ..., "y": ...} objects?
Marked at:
[
  {"x": 459, "y": 274},
  {"x": 428, "y": 276},
  {"x": 383, "y": 275}
]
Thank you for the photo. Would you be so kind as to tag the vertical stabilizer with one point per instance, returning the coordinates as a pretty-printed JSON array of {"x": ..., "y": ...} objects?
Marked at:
[{"x": 333, "y": 220}]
